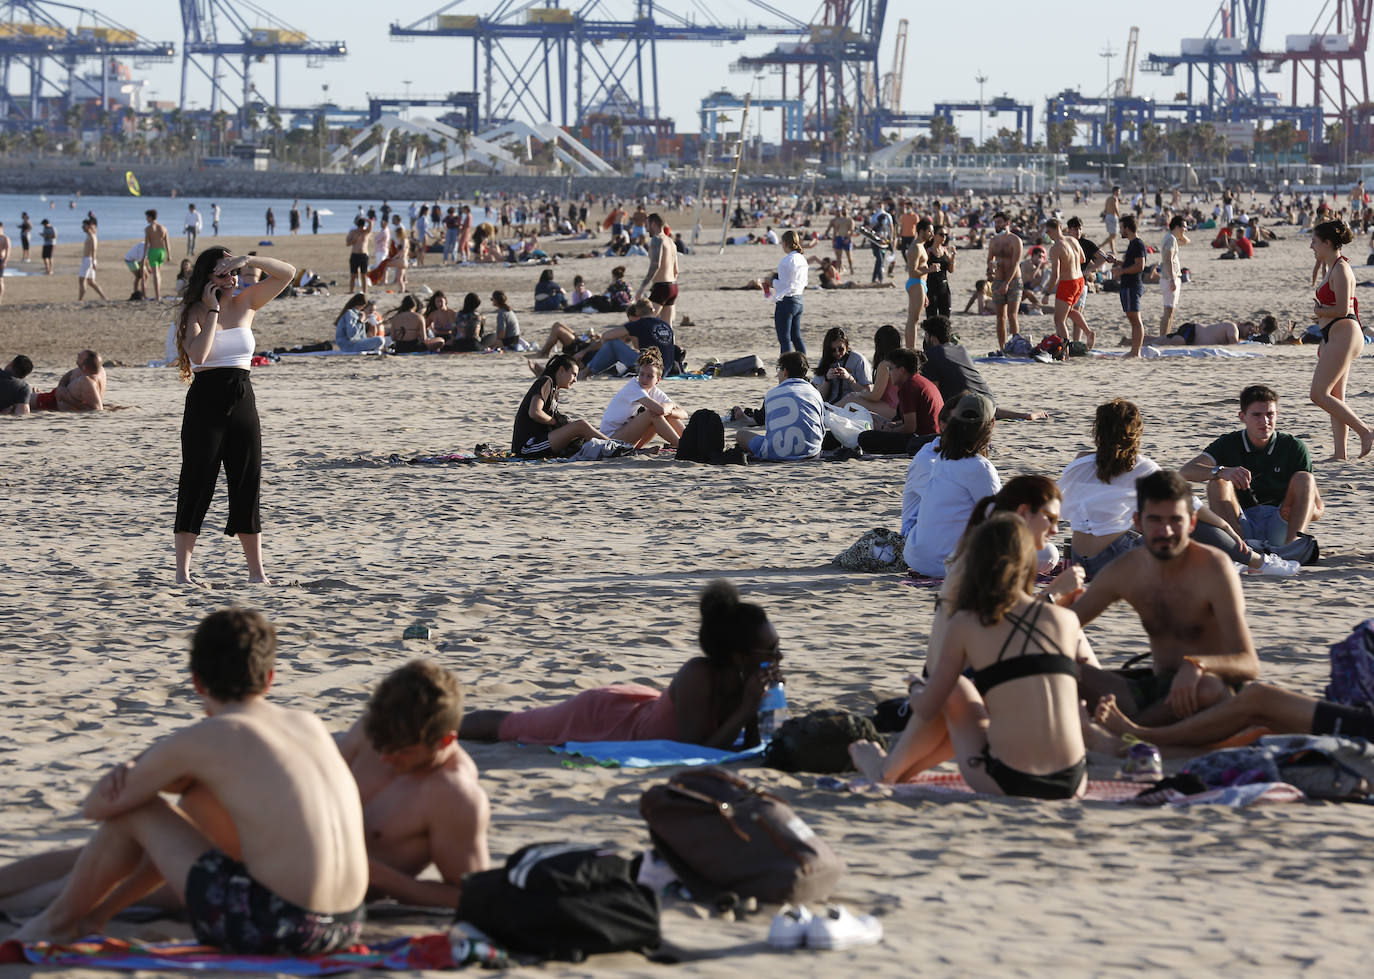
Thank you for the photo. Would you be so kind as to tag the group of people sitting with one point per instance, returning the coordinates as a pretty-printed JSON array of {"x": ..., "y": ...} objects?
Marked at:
[{"x": 438, "y": 328}]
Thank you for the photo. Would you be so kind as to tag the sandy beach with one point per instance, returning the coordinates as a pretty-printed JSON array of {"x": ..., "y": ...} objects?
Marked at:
[{"x": 539, "y": 580}]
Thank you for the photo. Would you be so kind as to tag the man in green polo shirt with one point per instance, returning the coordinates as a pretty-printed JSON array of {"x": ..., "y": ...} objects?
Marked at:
[{"x": 1260, "y": 479}]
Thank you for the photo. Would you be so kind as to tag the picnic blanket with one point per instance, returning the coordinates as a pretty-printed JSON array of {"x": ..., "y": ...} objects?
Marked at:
[
  {"x": 491, "y": 454},
  {"x": 1203, "y": 353},
  {"x": 1099, "y": 790},
  {"x": 653, "y": 754},
  {"x": 99, "y": 952}
]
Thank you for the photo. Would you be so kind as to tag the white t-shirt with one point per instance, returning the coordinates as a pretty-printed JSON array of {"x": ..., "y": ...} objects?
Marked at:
[
  {"x": 623, "y": 405},
  {"x": 953, "y": 487},
  {"x": 1168, "y": 257},
  {"x": 1094, "y": 507},
  {"x": 917, "y": 476}
]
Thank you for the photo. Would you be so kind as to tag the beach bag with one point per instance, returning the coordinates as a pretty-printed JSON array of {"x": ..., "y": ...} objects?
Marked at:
[
  {"x": 1352, "y": 668},
  {"x": 727, "y": 840},
  {"x": 1325, "y": 766},
  {"x": 847, "y": 423},
  {"x": 818, "y": 742},
  {"x": 751, "y": 366},
  {"x": 1054, "y": 345},
  {"x": 1018, "y": 346},
  {"x": 562, "y": 901},
  {"x": 1077, "y": 348},
  {"x": 703, "y": 438},
  {"x": 876, "y": 551}
]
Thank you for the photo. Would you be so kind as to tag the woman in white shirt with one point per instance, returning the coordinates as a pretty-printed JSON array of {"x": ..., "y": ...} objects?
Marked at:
[
  {"x": 640, "y": 410},
  {"x": 788, "y": 286},
  {"x": 220, "y": 425},
  {"x": 1100, "y": 499}
]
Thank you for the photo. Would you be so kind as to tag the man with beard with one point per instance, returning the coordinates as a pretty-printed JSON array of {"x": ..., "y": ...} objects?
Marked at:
[{"x": 1189, "y": 601}]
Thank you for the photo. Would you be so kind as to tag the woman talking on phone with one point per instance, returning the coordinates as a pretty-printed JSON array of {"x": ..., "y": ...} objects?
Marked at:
[{"x": 214, "y": 340}]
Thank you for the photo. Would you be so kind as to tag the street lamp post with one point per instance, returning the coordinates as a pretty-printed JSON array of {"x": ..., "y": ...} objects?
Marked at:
[
  {"x": 1108, "y": 54},
  {"x": 980, "y": 79}
]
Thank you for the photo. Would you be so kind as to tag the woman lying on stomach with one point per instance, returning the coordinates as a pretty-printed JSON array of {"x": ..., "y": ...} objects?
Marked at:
[{"x": 709, "y": 702}]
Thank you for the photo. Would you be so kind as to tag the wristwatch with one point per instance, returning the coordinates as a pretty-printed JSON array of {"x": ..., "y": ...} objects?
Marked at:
[{"x": 1216, "y": 471}]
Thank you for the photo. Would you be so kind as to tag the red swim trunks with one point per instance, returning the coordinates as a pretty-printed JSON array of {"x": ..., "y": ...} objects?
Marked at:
[
  {"x": 1070, "y": 290},
  {"x": 663, "y": 293},
  {"x": 47, "y": 401}
]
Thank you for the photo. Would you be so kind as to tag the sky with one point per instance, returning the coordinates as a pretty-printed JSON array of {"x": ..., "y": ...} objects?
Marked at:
[{"x": 947, "y": 48}]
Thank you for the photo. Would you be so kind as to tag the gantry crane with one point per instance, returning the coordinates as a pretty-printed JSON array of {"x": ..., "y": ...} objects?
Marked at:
[
  {"x": 223, "y": 33},
  {"x": 37, "y": 35}
]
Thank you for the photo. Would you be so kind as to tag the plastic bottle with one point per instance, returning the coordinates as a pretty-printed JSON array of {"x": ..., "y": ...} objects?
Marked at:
[{"x": 772, "y": 708}]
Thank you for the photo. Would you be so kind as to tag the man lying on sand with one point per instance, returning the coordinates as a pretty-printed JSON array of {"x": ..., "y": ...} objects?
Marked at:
[
  {"x": 15, "y": 392},
  {"x": 1189, "y": 601},
  {"x": 81, "y": 389},
  {"x": 421, "y": 802},
  {"x": 295, "y": 880}
]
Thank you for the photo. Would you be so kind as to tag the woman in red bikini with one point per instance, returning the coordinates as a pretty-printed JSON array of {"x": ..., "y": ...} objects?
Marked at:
[{"x": 1337, "y": 312}]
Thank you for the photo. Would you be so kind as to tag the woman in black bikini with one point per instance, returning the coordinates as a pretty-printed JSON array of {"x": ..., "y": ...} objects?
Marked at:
[
  {"x": 1025, "y": 741},
  {"x": 1337, "y": 312}
]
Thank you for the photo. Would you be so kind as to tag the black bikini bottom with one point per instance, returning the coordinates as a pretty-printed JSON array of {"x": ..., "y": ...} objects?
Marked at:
[
  {"x": 1326, "y": 330},
  {"x": 1062, "y": 784}
]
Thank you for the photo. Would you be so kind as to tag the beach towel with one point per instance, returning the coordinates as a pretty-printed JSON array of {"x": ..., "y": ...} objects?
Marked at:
[
  {"x": 1099, "y": 790},
  {"x": 98, "y": 952},
  {"x": 330, "y": 353},
  {"x": 1201, "y": 353},
  {"x": 653, "y": 754}
]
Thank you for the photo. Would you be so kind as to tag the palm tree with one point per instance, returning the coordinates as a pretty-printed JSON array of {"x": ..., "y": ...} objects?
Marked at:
[
  {"x": 617, "y": 128},
  {"x": 942, "y": 132},
  {"x": 38, "y": 136},
  {"x": 220, "y": 124},
  {"x": 464, "y": 145},
  {"x": 274, "y": 124}
]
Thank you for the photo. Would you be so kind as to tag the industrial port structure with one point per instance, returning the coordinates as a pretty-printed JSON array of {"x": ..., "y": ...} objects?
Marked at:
[{"x": 592, "y": 68}]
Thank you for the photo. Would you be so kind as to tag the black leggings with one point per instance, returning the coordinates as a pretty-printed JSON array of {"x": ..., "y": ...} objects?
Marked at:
[
  {"x": 220, "y": 425},
  {"x": 938, "y": 291}
]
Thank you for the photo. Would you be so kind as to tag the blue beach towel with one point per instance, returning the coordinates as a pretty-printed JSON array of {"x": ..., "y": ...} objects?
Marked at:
[{"x": 653, "y": 754}]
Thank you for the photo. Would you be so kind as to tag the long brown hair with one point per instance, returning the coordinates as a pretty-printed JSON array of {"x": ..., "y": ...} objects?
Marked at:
[
  {"x": 999, "y": 567},
  {"x": 191, "y": 295},
  {"x": 1117, "y": 428}
]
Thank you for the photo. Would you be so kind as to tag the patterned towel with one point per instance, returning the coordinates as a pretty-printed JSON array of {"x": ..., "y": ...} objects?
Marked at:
[
  {"x": 99, "y": 952},
  {"x": 1104, "y": 790}
]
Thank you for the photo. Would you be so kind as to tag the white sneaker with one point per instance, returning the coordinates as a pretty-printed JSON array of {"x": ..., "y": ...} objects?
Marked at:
[
  {"x": 789, "y": 927},
  {"x": 838, "y": 929},
  {"x": 1276, "y": 567}
]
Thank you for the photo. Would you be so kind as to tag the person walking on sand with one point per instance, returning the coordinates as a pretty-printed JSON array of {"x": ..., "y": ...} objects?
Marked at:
[
  {"x": 661, "y": 279},
  {"x": 214, "y": 219},
  {"x": 1130, "y": 270},
  {"x": 220, "y": 425},
  {"x": 786, "y": 291},
  {"x": 917, "y": 265},
  {"x": 1004, "y": 272},
  {"x": 1067, "y": 282},
  {"x": 193, "y": 226},
  {"x": 359, "y": 242},
  {"x": 49, "y": 235},
  {"x": 155, "y": 249},
  {"x": 88, "y": 264},
  {"x": 1337, "y": 312},
  {"x": 1111, "y": 216}
]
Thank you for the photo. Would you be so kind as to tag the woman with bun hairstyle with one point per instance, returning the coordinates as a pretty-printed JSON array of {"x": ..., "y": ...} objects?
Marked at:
[
  {"x": 709, "y": 702},
  {"x": 1337, "y": 312}
]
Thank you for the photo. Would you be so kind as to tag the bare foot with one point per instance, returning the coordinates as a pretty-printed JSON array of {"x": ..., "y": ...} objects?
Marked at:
[
  {"x": 41, "y": 930},
  {"x": 1098, "y": 738},
  {"x": 1038, "y": 416},
  {"x": 868, "y": 758},
  {"x": 259, "y": 579},
  {"x": 1366, "y": 443},
  {"x": 1335, "y": 458},
  {"x": 186, "y": 579},
  {"x": 1110, "y": 716}
]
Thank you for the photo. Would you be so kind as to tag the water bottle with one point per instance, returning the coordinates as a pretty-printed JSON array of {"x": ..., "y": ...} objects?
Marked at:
[{"x": 772, "y": 708}]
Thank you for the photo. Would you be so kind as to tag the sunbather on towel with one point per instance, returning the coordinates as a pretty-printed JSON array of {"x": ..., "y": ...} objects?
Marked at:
[
  {"x": 422, "y": 804},
  {"x": 709, "y": 702}
]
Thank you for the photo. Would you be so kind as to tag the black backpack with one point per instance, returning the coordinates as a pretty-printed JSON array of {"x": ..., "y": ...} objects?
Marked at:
[
  {"x": 563, "y": 901},
  {"x": 703, "y": 440},
  {"x": 819, "y": 741}
]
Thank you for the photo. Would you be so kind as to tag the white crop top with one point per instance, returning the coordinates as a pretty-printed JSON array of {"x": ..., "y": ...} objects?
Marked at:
[
  {"x": 1094, "y": 507},
  {"x": 232, "y": 348}
]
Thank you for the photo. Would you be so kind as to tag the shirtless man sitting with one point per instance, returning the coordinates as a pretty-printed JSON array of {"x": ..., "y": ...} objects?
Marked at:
[
  {"x": 1189, "y": 601},
  {"x": 295, "y": 880},
  {"x": 422, "y": 803},
  {"x": 81, "y": 389}
]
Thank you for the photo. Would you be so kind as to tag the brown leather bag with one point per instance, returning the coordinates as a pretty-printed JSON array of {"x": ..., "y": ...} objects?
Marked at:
[{"x": 728, "y": 839}]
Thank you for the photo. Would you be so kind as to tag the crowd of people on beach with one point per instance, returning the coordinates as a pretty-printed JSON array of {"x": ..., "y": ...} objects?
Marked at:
[{"x": 1012, "y": 690}]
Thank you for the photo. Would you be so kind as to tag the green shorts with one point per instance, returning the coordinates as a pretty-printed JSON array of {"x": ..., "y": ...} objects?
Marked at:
[{"x": 156, "y": 257}]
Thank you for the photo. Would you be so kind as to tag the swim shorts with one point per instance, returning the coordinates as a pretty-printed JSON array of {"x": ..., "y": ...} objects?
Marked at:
[
  {"x": 1110, "y": 220},
  {"x": 229, "y": 910},
  {"x": 87, "y": 268},
  {"x": 47, "y": 251},
  {"x": 357, "y": 262},
  {"x": 157, "y": 256},
  {"x": 1130, "y": 297},
  {"x": 1348, "y": 720},
  {"x": 1070, "y": 290},
  {"x": 1009, "y": 292},
  {"x": 47, "y": 401},
  {"x": 841, "y": 243},
  {"x": 1147, "y": 687},
  {"x": 663, "y": 293}
]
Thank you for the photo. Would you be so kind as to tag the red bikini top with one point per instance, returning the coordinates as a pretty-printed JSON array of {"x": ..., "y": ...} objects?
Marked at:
[{"x": 1327, "y": 296}]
